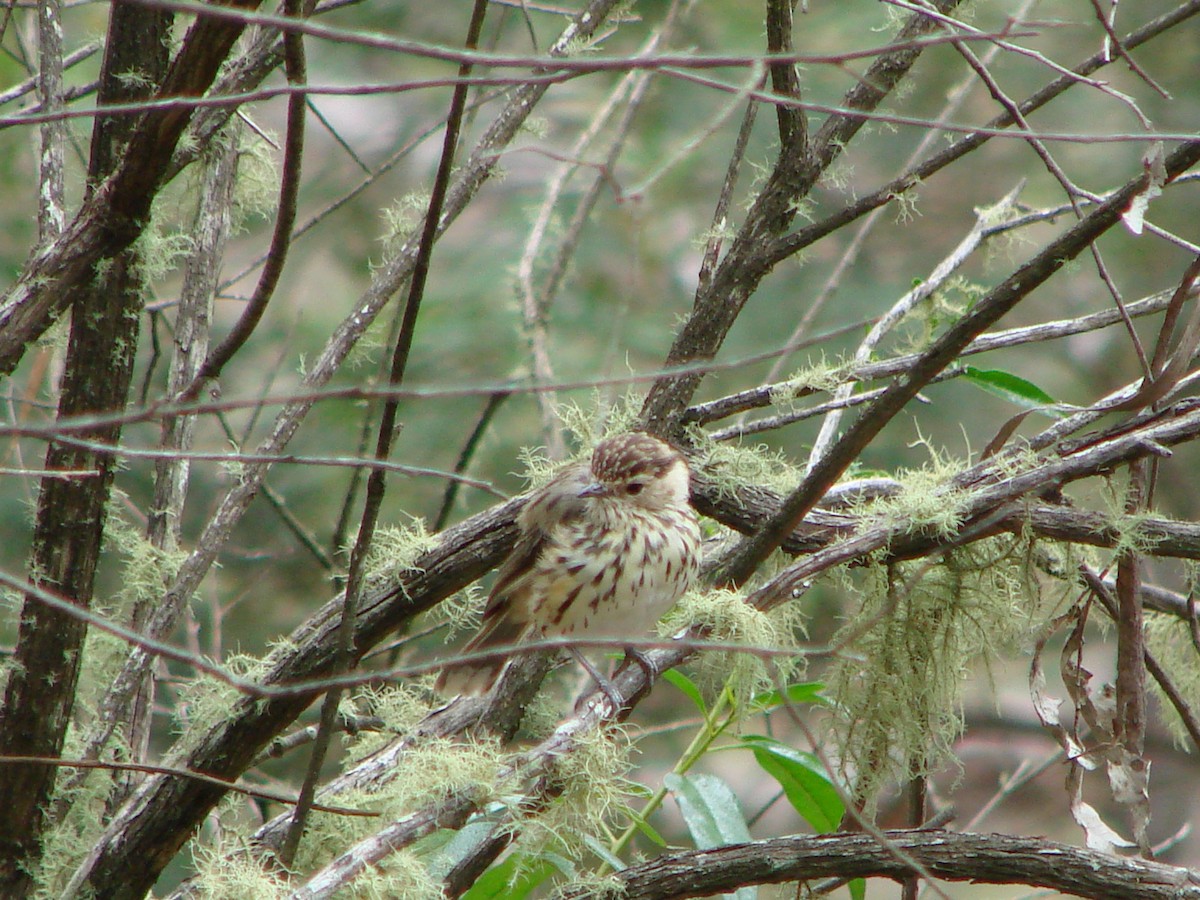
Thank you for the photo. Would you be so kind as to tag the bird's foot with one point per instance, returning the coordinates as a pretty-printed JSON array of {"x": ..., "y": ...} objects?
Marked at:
[
  {"x": 643, "y": 662},
  {"x": 607, "y": 687}
]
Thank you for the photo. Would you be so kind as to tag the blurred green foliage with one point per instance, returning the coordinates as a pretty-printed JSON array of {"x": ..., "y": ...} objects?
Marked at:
[
  {"x": 632, "y": 276},
  {"x": 630, "y": 280}
]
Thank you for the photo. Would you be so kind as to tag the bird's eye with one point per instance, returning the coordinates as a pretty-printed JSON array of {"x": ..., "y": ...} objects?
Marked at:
[{"x": 634, "y": 488}]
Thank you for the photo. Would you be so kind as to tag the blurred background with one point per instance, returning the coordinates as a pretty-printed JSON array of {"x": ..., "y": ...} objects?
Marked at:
[{"x": 628, "y": 284}]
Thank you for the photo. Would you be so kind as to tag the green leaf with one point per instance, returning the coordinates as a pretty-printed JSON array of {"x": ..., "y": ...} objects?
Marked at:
[
  {"x": 709, "y": 808},
  {"x": 1010, "y": 387},
  {"x": 601, "y": 850},
  {"x": 648, "y": 830},
  {"x": 804, "y": 780},
  {"x": 513, "y": 879},
  {"x": 806, "y": 692},
  {"x": 712, "y": 814},
  {"x": 685, "y": 684}
]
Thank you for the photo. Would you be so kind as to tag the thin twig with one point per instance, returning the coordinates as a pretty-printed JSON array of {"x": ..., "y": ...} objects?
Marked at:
[
  {"x": 466, "y": 454},
  {"x": 901, "y": 308},
  {"x": 285, "y": 214},
  {"x": 376, "y": 481},
  {"x": 1114, "y": 41},
  {"x": 85, "y": 765}
]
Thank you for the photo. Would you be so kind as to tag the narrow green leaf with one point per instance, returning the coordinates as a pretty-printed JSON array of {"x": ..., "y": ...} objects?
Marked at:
[
  {"x": 1012, "y": 388},
  {"x": 648, "y": 830},
  {"x": 805, "y": 692},
  {"x": 804, "y": 780},
  {"x": 685, "y": 684},
  {"x": 601, "y": 850},
  {"x": 513, "y": 879}
]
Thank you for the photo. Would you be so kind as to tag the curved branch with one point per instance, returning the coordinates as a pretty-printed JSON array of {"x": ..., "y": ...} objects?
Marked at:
[{"x": 989, "y": 858}]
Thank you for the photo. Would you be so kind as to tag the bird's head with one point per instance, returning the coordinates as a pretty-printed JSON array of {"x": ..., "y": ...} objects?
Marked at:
[{"x": 641, "y": 469}]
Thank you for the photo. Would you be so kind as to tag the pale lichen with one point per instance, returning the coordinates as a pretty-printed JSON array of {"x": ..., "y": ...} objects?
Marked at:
[
  {"x": 731, "y": 466},
  {"x": 394, "y": 551},
  {"x": 461, "y": 611},
  {"x": 921, "y": 629},
  {"x": 590, "y": 788},
  {"x": 821, "y": 376},
  {"x": 146, "y": 568},
  {"x": 1169, "y": 639},
  {"x": 726, "y": 618},
  {"x": 430, "y": 771},
  {"x": 69, "y": 839},
  {"x": 927, "y": 499},
  {"x": 256, "y": 188},
  {"x": 226, "y": 871},
  {"x": 207, "y": 699},
  {"x": 401, "y": 221},
  {"x": 907, "y": 203},
  {"x": 399, "y": 707}
]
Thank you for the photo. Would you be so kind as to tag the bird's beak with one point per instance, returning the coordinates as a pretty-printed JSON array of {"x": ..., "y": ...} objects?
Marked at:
[{"x": 595, "y": 489}]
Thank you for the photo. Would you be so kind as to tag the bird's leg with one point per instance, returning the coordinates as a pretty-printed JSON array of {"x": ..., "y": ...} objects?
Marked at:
[
  {"x": 647, "y": 667},
  {"x": 605, "y": 685}
]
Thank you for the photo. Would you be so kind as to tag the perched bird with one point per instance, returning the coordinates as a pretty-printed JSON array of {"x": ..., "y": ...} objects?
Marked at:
[{"x": 605, "y": 549}]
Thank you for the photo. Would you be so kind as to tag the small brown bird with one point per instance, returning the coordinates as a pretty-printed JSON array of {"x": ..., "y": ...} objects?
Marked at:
[{"x": 605, "y": 549}]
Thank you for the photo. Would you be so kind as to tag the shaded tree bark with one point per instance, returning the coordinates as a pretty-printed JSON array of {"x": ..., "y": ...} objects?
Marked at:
[{"x": 72, "y": 508}]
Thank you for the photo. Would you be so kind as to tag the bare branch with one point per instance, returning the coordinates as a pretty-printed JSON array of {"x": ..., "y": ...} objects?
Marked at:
[{"x": 990, "y": 858}]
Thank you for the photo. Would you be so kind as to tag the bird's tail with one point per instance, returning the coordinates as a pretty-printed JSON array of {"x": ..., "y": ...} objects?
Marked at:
[{"x": 475, "y": 678}]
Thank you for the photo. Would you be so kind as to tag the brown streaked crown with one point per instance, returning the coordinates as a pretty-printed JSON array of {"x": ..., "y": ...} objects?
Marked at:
[{"x": 627, "y": 456}]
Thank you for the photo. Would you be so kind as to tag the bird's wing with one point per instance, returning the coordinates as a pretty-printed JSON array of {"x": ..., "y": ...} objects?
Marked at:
[
  {"x": 557, "y": 502},
  {"x": 502, "y": 625},
  {"x": 518, "y": 565}
]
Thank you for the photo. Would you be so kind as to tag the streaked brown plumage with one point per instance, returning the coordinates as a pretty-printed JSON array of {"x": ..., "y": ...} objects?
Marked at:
[{"x": 605, "y": 549}]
